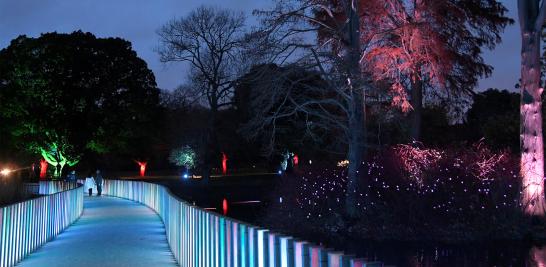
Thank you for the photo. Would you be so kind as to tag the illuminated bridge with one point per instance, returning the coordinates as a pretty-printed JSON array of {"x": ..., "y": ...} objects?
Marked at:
[{"x": 143, "y": 224}]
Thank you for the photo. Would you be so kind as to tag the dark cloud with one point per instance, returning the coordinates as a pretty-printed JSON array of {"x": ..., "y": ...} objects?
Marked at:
[{"x": 137, "y": 21}]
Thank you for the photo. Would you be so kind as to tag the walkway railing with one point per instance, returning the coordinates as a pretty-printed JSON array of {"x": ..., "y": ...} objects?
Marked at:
[
  {"x": 27, "y": 225},
  {"x": 202, "y": 238}
]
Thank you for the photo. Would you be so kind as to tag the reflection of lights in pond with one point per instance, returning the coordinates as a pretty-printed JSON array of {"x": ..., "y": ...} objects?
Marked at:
[{"x": 224, "y": 206}]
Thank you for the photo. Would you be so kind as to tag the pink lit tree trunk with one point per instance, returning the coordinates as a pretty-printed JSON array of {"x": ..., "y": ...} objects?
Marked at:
[{"x": 531, "y": 18}]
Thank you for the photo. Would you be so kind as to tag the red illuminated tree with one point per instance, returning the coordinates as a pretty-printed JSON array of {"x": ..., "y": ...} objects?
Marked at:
[
  {"x": 531, "y": 19},
  {"x": 435, "y": 44}
]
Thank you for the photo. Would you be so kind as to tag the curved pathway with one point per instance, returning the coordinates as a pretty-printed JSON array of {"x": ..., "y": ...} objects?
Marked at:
[{"x": 111, "y": 232}]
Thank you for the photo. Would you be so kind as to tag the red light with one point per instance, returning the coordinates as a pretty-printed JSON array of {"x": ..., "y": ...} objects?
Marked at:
[
  {"x": 296, "y": 160},
  {"x": 224, "y": 163},
  {"x": 43, "y": 169},
  {"x": 142, "y": 167},
  {"x": 224, "y": 206}
]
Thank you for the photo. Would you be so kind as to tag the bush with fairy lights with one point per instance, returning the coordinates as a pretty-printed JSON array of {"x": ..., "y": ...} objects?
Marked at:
[
  {"x": 408, "y": 193},
  {"x": 183, "y": 156}
]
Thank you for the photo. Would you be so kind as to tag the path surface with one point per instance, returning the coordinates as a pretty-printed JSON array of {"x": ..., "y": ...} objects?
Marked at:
[{"x": 111, "y": 232}]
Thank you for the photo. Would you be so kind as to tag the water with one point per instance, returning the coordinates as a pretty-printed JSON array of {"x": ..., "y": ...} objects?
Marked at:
[{"x": 475, "y": 255}]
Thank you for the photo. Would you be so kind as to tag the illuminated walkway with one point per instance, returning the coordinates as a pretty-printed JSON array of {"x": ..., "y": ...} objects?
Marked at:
[{"x": 111, "y": 232}]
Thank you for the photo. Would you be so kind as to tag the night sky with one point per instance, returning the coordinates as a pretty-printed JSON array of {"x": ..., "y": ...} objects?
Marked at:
[{"x": 138, "y": 20}]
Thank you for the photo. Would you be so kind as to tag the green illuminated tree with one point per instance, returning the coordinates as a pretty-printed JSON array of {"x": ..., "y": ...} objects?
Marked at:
[
  {"x": 65, "y": 96},
  {"x": 59, "y": 155},
  {"x": 184, "y": 157}
]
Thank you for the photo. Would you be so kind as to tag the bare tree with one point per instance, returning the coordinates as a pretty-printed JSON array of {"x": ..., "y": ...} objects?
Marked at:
[
  {"x": 211, "y": 40},
  {"x": 337, "y": 102},
  {"x": 531, "y": 18}
]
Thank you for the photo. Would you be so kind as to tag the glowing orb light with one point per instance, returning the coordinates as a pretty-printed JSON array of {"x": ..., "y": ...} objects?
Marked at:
[
  {"x": 5, "y": 172},
  {"x": 185, "y": 176}
]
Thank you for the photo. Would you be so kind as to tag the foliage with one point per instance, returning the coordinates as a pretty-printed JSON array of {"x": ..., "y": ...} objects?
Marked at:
[
  {"x": 184, "y": 156},
  {"x": 76, "y": 91},
  {"x": 494, "y": 116},
  {"x": 59, "y": 155}
]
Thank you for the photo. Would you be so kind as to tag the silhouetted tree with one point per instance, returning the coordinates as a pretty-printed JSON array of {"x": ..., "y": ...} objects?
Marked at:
[
  {"x": 211, "y": 40},
  {"x": 67, "y": 94}
]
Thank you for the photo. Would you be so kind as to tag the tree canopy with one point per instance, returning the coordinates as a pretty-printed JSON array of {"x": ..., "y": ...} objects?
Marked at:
[{"x": 76, "y": 93}]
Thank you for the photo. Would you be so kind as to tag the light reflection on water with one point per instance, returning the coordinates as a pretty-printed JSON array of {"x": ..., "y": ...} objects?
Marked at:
[{"x": 471, "y": 255}]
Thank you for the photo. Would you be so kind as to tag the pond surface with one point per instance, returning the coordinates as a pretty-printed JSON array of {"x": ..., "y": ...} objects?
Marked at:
[
  {"x": 475, "y": 255},
  {"x": 399, "y": 254}
]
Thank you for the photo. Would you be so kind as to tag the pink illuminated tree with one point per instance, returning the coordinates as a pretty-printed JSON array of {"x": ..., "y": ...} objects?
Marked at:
[
  {"x": 434, "y": 44},
  {"x": 531, "y": 19}
]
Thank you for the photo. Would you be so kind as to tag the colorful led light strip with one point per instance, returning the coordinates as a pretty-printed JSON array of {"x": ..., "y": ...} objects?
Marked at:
[
  {"x": 198, "y": 237},
  {"x": 27, "y": 225}
]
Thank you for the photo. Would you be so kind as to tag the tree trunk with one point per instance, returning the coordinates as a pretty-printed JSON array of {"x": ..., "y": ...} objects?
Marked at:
[
  {"x": 356, "y": 107},
  {"x": 417, "y": 104},
  {"x": 531, "y": 140},
  {"x": 211, "y": 146},
  {"x": 356, "y": 150}
]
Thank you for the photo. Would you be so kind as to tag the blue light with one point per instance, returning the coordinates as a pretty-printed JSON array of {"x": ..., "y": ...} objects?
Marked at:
[
  {"x": 185, "y": 176},
  {"x": 279, "y": 172}
]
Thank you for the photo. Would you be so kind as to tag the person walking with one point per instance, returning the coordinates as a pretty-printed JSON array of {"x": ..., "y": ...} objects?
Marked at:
[
  {"x": 98, "y": 182},
  {"x": 88, "y": 184}
]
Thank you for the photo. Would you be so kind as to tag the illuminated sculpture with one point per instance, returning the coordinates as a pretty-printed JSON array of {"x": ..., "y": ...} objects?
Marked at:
[
  {"x": 142, "y": 165},
  {"x": 224, "y": 163}
]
